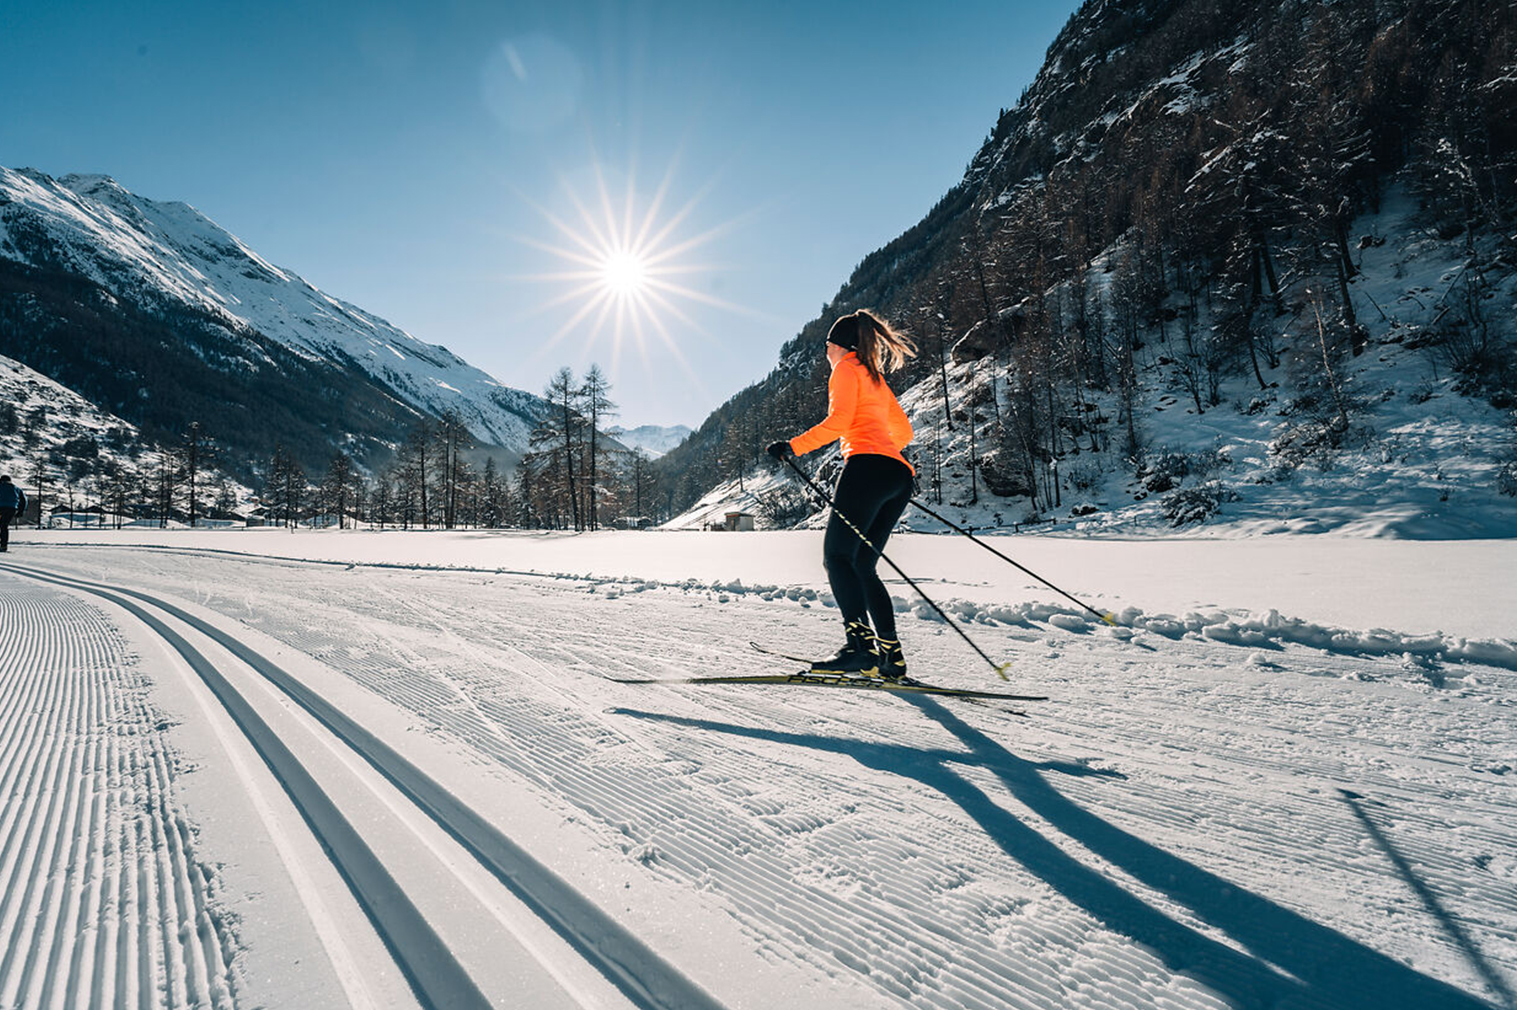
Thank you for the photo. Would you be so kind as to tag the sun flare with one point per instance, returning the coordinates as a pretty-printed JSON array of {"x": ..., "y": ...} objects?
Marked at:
[{"x": 625, "y": 261}]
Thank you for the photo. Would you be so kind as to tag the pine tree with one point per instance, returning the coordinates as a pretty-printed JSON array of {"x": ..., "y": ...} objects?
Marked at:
[
  {"x": 381, "y": 500},
  {"x": 195, "y": 451},
  {"x": 41, "y": 475},
  {"x": 491, "y": 513},
  {"x": 561, "y": 430},
  {"x": 415, "y": 465},
  {"x": 643, "y": 481},
  {"x": 594, "y": 394},
  {"x": 168, "y": 475},
  {"x": 451, "y": 440},
  {"x": 337, "y": 487},
  {"x": 284, "y": 490}
]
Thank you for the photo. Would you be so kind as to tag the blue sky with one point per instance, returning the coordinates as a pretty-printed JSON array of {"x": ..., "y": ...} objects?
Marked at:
[{"x": 406, "y": 157}]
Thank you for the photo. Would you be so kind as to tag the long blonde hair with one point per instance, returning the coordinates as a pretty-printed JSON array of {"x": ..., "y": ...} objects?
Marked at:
[{"x": 881, "y": 349}]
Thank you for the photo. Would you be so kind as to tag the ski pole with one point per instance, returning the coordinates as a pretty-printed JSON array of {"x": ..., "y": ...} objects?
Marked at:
[
  {"x": 1108, "y": 617},
  {"x": 999, "y": 668}
]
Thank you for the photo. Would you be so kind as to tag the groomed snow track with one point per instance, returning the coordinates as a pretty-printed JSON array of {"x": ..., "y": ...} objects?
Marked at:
[
  {"x": 429, "y": 960},
  {"x": 1195, "y": 822},
  {"x": 103, "y": 903}
]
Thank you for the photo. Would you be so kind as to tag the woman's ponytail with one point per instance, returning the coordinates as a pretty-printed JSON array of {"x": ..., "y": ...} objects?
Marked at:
[{"x": 881, "y": 349}]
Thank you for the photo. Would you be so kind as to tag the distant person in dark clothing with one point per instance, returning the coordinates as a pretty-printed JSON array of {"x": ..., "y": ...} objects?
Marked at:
[{"x": 12, "y": 504}]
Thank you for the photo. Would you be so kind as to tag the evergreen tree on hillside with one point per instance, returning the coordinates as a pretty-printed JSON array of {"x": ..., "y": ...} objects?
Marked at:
[
  {"x": 167, "y": 476},
  {"x": 1179, "y": 206},
  {"x": 451, "y": 467},
  {"x": 555, "y": 466},
  {"x": 42, "y": 477},
  {"x": 415, "y": 468}
]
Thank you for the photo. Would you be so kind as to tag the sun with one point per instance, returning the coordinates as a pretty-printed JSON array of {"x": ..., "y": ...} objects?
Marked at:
[
  {"x": 625, "y": 261},
  {"x": 624, "y": 274}
]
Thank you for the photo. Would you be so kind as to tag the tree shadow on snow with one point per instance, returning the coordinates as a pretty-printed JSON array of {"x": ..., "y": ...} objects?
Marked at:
[{"x": 1291, "y": 961}]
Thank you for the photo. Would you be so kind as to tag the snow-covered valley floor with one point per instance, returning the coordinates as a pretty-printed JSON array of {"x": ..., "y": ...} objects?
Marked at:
[{"x": 389, "y": 769}]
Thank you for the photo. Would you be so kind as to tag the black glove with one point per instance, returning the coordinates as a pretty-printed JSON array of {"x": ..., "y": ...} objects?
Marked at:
[{"x": 781, "y": 451}]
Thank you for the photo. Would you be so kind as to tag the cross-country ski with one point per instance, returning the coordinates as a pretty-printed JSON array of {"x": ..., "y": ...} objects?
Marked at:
[{"x": 810, "y": 678}]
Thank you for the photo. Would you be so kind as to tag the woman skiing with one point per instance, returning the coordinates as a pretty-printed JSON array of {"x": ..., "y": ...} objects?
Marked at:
[{"x": 872, "y": 492}]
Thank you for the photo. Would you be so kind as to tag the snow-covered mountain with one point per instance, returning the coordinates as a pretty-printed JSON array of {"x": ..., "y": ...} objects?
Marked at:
[
  {"x": 654, "y": 439},
  {"x": 1247, "y": 263},
  {"x": 161, "y": 274}
]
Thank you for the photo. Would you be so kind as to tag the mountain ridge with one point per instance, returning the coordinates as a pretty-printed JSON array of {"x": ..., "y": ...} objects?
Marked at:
[
  {"x": 116, "y": 251},
  {"x": 654, "y": 439}
]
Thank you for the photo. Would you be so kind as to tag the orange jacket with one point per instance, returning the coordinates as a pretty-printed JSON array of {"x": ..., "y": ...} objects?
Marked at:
[{"x": 861, "y": 411}]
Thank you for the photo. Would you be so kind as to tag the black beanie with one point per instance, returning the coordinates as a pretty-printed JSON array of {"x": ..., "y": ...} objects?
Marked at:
[{"x": 845, "y": 332}]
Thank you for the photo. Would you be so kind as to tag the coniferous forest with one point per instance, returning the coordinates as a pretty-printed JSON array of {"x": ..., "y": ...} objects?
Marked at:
[
  {"x": 439, "y": 476},
  {"x": 1180, "y": 186}
]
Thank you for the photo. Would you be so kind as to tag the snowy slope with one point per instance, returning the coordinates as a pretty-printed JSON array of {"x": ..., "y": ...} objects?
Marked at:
[
  {"x": 1421, "y": 460},
  {"x": 52, "y": 421},
  {"x": 139, "y": 248},
  {"x": 66, "y": 436},
  {"x": 1118, "y": 203},
  {"x": 1218, "y": 808}
]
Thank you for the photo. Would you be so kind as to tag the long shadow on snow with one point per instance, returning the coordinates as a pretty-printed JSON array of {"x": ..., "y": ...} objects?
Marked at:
[
  {"x": 1456, "y": 932},
  {"x": 1325, "y": 968}
]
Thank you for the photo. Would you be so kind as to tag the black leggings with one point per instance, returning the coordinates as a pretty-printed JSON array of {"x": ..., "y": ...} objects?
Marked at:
[{"x": 872, "y": 493}]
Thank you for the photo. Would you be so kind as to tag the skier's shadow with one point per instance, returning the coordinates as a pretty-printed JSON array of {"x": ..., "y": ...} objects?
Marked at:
[{"x": 1290, "y": 960}]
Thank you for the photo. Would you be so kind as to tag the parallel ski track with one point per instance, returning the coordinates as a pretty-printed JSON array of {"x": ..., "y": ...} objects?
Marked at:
[
  {"x": 105, "y": 903},
  {"x": 904, "y": 930},
  {"x": 437, "y": 978},
  {"x": 916, "y": 926}
]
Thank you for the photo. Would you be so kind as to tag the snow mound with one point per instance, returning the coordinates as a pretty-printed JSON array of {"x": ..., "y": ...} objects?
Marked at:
[{"x": 1269, "y": 630}]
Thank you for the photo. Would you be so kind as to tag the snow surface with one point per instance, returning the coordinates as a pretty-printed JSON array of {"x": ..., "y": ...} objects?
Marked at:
[
  {"x": 102, "y": 899},
  {"x": 131, "y": 245},
  {"x": 1330, "y": 580},
  {"x": 1278, "y": 783}
]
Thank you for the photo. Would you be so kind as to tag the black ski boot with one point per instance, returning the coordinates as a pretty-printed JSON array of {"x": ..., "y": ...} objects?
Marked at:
[
  {"x": 857, "y": 656},
  {"x": 892, "y": 659}
]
